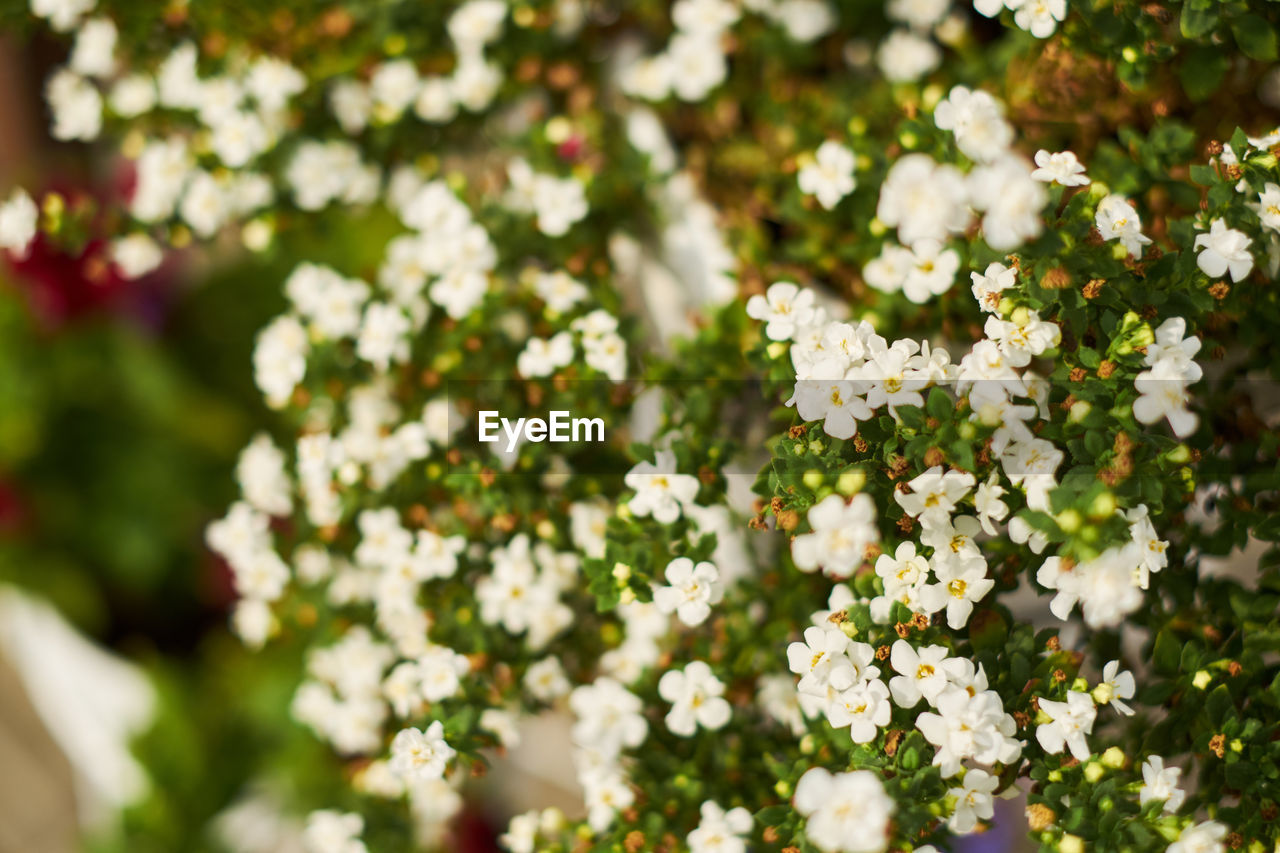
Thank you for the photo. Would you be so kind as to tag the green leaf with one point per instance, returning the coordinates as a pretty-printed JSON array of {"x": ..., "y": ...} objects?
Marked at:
[
  {"x": 940, "y": 405},
  {"x": 1219, "y": 704},
  {"x": 1166, "y": 653},
  {"x": 1256, "y": 38},
  {"x": 1202, "y": 71},
  {"x": 1241, "y": 774},
  {"x": 1199, "y": 17}
]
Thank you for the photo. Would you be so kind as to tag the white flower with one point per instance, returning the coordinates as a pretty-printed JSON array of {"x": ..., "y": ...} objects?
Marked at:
[
  {"x": 439, "y": 671},
  {"x": 272, "y": 82},
  {"x": 988, "y": 504},
  {"x": 62, "y": 15},
  {"x": 976, "y": 118},
  {"x": 932, "y": 271},
  {"x": 476, "y": 23},
  {"x": 696, "y": 697},
  {"x": 1163, "y": 394},
  {"x": 609, "y": 716},
  {"x": 964, "y": 582},
  {"x": 935, "y": 493},
  {"x": 974, "y": 801},
  {"x": 136, "y": 255},
  {"x": 18, "y": 217},
  {"x": 1203, "y": 837},
  {"x": 864, "y": 708},
  {"x": 784, "y": 308},
  {"x": 1268, "y": 207},
  {"x": 904, "y": 57},
  {"x": 1161, "y": 783},
  {"x": 829, "y": 175},
  {"x": 559, "y": 290},
  {"x": 923, "y": 200},
  {"x": 904, "y": 577},
  {"x": 1114, "y": 687},
  {"x": 845, "y": 812},
  {"x": 648, "y": 78},
  {"x": 1011, "y": 202},
  {"x": 545, "y": 680},
  {"x": 697, "y": 66},
  {"x": 820, "y": 661},
  {"x": 94, "y": 53},
  {"x": 421, "y": 756},
  {"x": 988, "y": 285},
  {"x": 382, "y": 335},
  {"x": 76, "y": 106},
  {"x": 393, "y": 86},
  {"x": 543, "y": 357},
  {"x": 920, "y": 14},
  {"x": 888, "y": 270},
  {"x": 1174, "y": 347},
  {"x": 841, "y": 533},
  {"x": 704, "y": 17},
  {"x": 836, "y": 403},
  {"x": 690, "y": 590},
  {"x": 133, "y": 95},
  {"x": 1060, "y": 168},
  {"x": 329, "y": 831},
  {"x": 659, "y": 490},
  {"x": 1117, "y": 220},
  {"x": 920, "y": 673},
  {"x": 720, "y": 831},
  {"x": 1040, "y": 17},
  {"x": 204, "y": 204},
  {"x": 1224, "y": 250},
  {"x": 1070, "y": 722},
  {"x": 280, "y": 359},
  {"x": 970, "y": 724},
  {"x": 1154, "y": 549},
  {"x": 804, "y": 20},
  {"x": 558, "y": 204}
]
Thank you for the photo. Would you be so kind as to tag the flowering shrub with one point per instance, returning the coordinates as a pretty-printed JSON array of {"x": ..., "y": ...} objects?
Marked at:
[{"x": 932, "y": 354}]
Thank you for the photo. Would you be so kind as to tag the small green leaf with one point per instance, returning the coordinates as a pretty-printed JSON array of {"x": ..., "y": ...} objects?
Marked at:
[
  {"x": 1256, "y": 38},
  {"x": 1167, "y": 652},
  {"x": 1219, "y": 704},
  {"x": 1199, "y": 17}
]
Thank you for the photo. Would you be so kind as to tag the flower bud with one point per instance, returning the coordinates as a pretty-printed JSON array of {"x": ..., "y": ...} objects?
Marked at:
[
  {"x": 1114, "y": 758},
  {"x": 851, "y": 482},
  {"x": 812, "y": 479},
  {"x": 1070, "y": 844},
  {"x": 1201, "y": 680},
  {"x": 1093, "y": 771}
]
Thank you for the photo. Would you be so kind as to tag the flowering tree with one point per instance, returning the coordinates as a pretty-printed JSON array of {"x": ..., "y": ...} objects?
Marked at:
[{"x": 931, "y": 346}]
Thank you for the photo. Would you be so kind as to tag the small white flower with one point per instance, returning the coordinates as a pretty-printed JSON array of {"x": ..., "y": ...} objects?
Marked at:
[
  {"x": 421, "y": 756},
  {"x": 690, "y": 590},
  {"x": 1070, "y": 722},
  {"x": 543, "y": 357},
  {"x": 1114, "y": 687},
  {"x": 920, "y": 673},
  {"x": 784, "y": 308},
  {"x": 659, "y": 490},
  {"x": 1117, "y": 220},
  {"x": 1161, "y": 783},
  {"x": 1060, "y": 168},
  {"x": 720, "y": 831},
  {"x": 1206, "y": 837},
  {"x": 988, "y": 285},
  {"x": 1224, "y": 250},
  {"x": 829, "y": 175},
  {"x": 845, "y": 812},
  {"x": 974, "y": 801},
  {"x": 696, "y": 697},
  {"x": 329, "y": 831},
  {"x": 841, "y": 533},
  {"x": 18, "y": 217},
  {"x": 1164, "y": 395}
]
